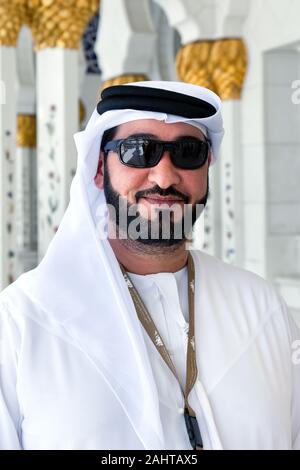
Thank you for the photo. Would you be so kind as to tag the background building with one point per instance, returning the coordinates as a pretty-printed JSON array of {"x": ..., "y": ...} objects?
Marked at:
[{"x": 56, "y": 55}]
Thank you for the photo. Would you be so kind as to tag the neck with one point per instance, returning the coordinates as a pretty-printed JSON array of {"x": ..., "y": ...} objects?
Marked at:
[{"x": 138, "y": 260}]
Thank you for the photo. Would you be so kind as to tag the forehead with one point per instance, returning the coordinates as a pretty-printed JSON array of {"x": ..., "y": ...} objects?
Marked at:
[{"x": 157, "y": 128}]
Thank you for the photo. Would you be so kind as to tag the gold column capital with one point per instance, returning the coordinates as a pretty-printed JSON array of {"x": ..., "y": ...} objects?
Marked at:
[
  {"x": 193, "y": 64},
  {"x": 13, "y": 14},
  {"x": 218, "y": 65},
  {"x": 60, "y": 23},
  {"x": 122, "y": 79},
  {"x": 229, "y": 65},
  {"x": 26, "y": 130}
]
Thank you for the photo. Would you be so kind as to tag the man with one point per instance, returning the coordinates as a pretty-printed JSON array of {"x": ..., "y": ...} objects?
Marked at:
[{"x": 124, "y": 340}]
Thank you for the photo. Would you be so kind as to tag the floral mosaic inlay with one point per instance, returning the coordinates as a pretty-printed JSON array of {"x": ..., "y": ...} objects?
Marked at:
[
  {"x": 10, "y": 209},
  {"x": 51, "y": 179},
  {"x": 229, "y": 216}
]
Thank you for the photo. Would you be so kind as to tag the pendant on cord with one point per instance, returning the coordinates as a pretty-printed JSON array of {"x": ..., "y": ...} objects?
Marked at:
[{"x": 193, "y": 431}]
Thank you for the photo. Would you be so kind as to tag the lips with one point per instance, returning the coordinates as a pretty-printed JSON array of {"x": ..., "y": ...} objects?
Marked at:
[{"x": 161, "y": 200}]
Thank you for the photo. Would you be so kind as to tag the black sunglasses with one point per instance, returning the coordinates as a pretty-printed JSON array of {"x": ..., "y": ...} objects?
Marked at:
[{"x": 188, "y": 153}]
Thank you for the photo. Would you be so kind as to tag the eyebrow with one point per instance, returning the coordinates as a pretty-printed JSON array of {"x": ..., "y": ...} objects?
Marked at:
[
  {"x": 148, "y": 135},
  {"x": 142, "y": 134}
]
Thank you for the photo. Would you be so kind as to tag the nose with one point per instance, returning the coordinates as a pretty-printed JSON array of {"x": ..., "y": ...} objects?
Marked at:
[{"x": 164, "y": 174}]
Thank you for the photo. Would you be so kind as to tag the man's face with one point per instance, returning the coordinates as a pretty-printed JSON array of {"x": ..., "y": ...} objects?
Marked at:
[{"x": 164, "y": 183}]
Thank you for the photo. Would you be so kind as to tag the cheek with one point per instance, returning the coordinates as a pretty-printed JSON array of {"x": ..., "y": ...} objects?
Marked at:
[
  {"x": 126, "y": 181},
  {"x": 196, "y": 183}
]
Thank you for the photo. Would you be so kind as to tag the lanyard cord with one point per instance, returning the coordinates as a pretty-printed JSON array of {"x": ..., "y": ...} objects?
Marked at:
[{"x": 158, "y": 342}]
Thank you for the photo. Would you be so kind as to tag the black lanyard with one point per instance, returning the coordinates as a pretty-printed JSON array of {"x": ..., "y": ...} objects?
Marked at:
[{"x": 191, "y": 376}]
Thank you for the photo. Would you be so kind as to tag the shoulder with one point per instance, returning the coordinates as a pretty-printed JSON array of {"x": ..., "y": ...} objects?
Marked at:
[
  {"x": 17, "y": 309},
  {"x": 12, "y": 316},
  {"x": 24, "y": 315},
  {"x": 230, "y": 275},
  {"x": 237, "y": 287},
  {"x": 11, "y": 326},
  {"x": 239, "y": 304}
]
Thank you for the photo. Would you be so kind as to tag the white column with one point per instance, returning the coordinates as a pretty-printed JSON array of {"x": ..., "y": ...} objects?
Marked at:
[
  {"x": 231, "y": 185},
  {"x": 163, "y": 64},
  {"x": 58, "y": 120},
  {"x": 282, "y": 165},
  {"x": 229, "y": 21},
  {"x": 23, "y": 177},
  {"x": 26, "y": 209},
  {"x": 194, "y": 20},
  {"x": 126, "y": 38},
  {"x": 207, "y": 230},
  {"x": 230, "y": 17},
  {"x": 202, "y": 21},
  {"x": 26, "y": 168},
  {"x": 212, "y": 214},
  {"x": 7, "y": 158}
]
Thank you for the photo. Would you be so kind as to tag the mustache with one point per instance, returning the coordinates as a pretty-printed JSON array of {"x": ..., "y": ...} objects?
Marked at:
[{"x": 156, "y": 190}]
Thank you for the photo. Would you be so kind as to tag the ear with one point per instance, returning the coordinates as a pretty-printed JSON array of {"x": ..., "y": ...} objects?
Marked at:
[{"x": 100, "y": 171}]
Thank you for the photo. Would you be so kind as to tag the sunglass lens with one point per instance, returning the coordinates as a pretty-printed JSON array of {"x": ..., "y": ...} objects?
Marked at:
[
  {"x": 132, "y": 154},
  {"x": 153, "y": 151},
  {"x": 140, "y": 154},
  {"x": 190, "y": 154}
]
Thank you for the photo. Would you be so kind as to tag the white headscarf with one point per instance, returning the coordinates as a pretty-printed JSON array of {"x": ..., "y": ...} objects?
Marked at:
[{"x": 78, "y": 287}]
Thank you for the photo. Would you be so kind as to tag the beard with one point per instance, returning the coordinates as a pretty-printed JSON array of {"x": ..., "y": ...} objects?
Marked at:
[{"x": 177, "y": 230}]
